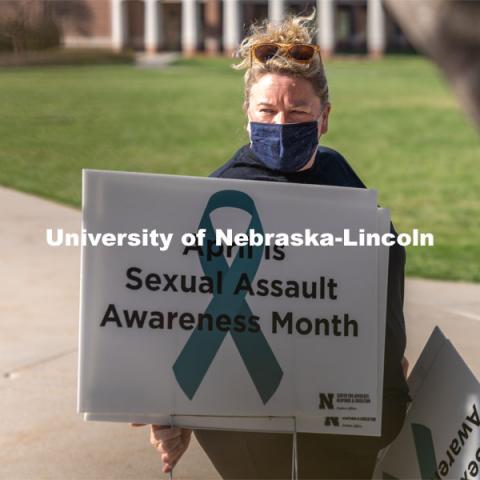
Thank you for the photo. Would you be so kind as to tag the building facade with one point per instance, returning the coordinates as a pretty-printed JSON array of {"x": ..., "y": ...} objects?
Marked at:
[{"x": 215, "y": 26}]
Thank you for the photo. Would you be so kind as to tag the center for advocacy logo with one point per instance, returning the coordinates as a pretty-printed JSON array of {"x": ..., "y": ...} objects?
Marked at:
[{"x": 200, "y": 349}]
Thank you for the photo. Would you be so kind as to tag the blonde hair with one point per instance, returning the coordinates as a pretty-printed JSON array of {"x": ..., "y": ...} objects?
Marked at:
[{"x": 294, "y": 29}]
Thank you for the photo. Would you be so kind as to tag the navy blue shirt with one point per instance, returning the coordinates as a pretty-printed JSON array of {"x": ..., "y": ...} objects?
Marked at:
[{"x": 255, "y": 455}]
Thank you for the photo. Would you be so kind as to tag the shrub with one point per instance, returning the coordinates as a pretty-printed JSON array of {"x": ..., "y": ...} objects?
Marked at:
[{"x": 24, "y": 28}]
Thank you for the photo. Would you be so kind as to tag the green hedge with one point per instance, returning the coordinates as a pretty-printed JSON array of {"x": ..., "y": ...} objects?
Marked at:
[
  {"x": 65, "y": 56},
  {"x": 20, "y": 36}
]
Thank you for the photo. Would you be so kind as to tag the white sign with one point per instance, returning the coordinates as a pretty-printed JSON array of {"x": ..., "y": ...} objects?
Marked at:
[
  {"x": 241, "y": 337},
  {"x": 441, "y": 434}
]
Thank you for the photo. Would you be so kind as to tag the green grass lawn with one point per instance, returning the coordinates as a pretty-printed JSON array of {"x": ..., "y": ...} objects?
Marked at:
[{"x": 394, "y": 120}]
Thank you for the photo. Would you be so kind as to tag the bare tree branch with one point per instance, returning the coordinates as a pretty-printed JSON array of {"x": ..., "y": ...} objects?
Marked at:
[{"x": 448, "y": 31}]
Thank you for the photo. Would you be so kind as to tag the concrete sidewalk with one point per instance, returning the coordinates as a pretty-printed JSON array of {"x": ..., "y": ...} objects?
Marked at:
[{"x": 41, "y": 436}]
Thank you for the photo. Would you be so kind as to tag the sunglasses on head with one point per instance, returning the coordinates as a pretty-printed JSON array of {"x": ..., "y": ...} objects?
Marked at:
[{"x": 299, "y": 52}]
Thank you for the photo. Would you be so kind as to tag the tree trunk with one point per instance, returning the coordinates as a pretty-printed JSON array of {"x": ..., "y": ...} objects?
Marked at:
[{"x": 447, "y": 31}]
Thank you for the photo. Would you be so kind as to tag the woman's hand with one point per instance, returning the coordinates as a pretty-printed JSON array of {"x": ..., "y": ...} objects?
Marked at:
[{"x": 170, "y": 442}]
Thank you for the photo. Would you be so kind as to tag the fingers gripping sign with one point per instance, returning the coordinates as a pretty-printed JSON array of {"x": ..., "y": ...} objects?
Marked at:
[{"x": 170, "y": 442}]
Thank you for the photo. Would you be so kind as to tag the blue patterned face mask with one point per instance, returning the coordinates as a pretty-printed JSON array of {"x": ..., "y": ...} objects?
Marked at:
[{"x": 285, "y": 147}]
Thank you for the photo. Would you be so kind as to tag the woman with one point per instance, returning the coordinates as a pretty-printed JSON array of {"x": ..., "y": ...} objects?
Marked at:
[{"x": 287, "y": 106}]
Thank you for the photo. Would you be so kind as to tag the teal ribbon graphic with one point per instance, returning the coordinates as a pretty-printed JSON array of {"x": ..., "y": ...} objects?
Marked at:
[
  {"x": 198, "y": 353},
  {"x": 423, "y": 439},
  {"x": 427, "y": 461}
]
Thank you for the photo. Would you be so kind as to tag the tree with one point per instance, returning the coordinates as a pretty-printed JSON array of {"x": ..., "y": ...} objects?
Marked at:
[
  {"x": 36, "y": 24},
  {"x": 16, "y": 23},
  {"x": 447, "y": 31}
]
